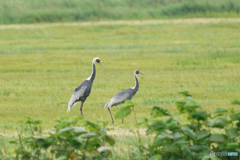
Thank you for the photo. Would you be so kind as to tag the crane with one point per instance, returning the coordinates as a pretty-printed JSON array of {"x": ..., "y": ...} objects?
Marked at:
[
  {"x": 122, "y": 96},
  {"x": 83, "y": 90}
]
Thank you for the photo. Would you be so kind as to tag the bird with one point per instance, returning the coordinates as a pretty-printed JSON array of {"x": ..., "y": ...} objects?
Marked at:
[
  {"x": 124, "y": 95},
  {"x": 82, "y": 91}
]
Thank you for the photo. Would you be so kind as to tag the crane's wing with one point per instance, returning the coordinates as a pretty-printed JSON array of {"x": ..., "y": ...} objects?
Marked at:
[
  {"x": 116, "y": 99},
  {"x": 77, "y": 93}
]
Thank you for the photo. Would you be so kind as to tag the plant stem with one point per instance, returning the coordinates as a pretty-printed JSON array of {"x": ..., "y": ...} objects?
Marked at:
[
  {"x": 139, "y": 138},
  {"x": 20, "y": 140},
  {"x": 30, "y": 127},
  {"x": 85, "y": 149}
]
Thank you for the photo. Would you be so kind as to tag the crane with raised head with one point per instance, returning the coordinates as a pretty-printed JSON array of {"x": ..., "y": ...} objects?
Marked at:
[
  {"x": 83, "y": 90},
  {"x": 122, "y": 96}
]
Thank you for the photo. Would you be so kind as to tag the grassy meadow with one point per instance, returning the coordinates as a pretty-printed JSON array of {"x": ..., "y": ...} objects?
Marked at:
[
  {"x": 41, "y": 65},
  {"x": 33, "y": 11}
]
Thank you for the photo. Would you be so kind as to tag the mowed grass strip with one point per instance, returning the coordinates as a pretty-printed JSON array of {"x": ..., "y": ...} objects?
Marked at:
[{"x": 40, "y": 67}]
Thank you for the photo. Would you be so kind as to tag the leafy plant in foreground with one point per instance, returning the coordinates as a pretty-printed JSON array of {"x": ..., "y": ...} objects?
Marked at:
[
  {"x": 194, "y": 139},
  {"x": 71, "y": 138}
]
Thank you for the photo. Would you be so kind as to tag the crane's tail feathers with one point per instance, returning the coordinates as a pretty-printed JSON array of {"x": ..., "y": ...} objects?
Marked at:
[
  {"x": 71, "y": 103},
  {"x": 108, "y": 104}
]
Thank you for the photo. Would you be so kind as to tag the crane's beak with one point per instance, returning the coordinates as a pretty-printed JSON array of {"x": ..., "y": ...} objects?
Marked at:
[
  {"x": 140, "y": 73},
  {"x": 101, "y": 64}
]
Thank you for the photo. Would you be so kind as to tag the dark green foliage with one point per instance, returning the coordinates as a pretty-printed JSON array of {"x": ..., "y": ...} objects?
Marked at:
[
  {"x": 71, "y": 138},
  {"x": 75, "y": 138},
  {"x": 236, "y": 101},
  {"x": 33, "y": 11},
  {"x": 194, "y": 139},
  {"x": 125, "y": 110}
]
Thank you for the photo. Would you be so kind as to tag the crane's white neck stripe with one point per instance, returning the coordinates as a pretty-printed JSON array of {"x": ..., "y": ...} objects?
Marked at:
[
  {"x": 93, "y": 63},
  {"x": 134, "y": 76}
]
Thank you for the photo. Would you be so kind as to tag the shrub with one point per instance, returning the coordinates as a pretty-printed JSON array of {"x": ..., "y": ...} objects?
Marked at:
[
  {"x": 200, "y": 133},
  {"x": 72, "y": 138}
]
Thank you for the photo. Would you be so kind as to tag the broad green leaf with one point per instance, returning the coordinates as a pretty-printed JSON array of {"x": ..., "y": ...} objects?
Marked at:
[
  {"x": 156, "y": 125},
  {"x": 220, "y": 123},
  {"x": 122, "y": 112},
  {"x": 50, "y": 139},
  {"x": 187, "y": 153},
  {"x": 217, "y": 138},
  {"x": 191, "y": 105},
  {"x": 180, "y": 103},
  {"x": 202, "y": 135},
  {"x": 210, "y": 158},
  {"x": 37, "y": 137},
  {"x": 62, "y": 158},
  {"x": 211, "y": 122},
  {"x": 159, "y": 111},
  {"x": 76, "y": 143},
  {"x": 156, "y": 157},
  {"x": 176, "y": 114},
  {"x": 173, "y": 125},
  {"x": 164, "y": 135},
  {"x": 184, "y": 92},
  {"x": 221, "y": 110},
  {"x": 142, "y": 120},
  {"x": 35, "y": 151},
  {"x": 200, "y": 115},
  {"x": 196, "y": 148},
  {"x": 170, "y": 148},
  {"x": 177, "y": 135},
  {"x": 37, "y": 121},
  {"x": 233, "y": 145},
  {"x": 79, "y": 130},
  {"x": 175, "y": 157},
  {"x": 232, "y": 133},
  {"x": 29, "y": 120},
  {"x": 189, "y": 132},
  {"x": 236, "y": 101},
  {"x": 26, "y": 137},
  {"x": 93, "y": 144},
  {"x": 93, "y": 125},
  {"x": 129, "y": 103},
  {"x": 67, "y": 129},
  {"x": 13, "y": 141},
  {"x": 181, "y": 142},
  {"x": 110, "y": 140},
  {"x": 42, "y": 143},
  {"x": 90, "y": 135},
  {"x": 234, "y": 116}
]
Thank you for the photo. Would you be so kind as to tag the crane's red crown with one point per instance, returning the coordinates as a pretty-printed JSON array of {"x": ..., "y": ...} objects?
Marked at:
[
  {"x": 98, "y": 60},
  {"x": 137, "y": 71}
]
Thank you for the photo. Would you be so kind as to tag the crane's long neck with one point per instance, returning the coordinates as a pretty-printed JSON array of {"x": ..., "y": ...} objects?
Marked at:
[
  {"x": 91, "y": 78},
  {"x": 135, "y": 89}
]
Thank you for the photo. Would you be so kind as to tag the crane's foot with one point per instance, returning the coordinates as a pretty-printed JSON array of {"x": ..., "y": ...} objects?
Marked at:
[{"x": 82, "y": 115}]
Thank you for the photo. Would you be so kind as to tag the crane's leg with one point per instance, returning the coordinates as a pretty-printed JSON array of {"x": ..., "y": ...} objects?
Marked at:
[
  {"x": 81, "y": 109},
  {"x": 111, "y": 115},
  {"x": 122, "y": 121}
]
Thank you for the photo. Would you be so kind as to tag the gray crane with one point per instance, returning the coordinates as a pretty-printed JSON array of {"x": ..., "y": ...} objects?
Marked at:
[
  {"x": 83, "y": 90},
  {"x": 122, "y": 96}
]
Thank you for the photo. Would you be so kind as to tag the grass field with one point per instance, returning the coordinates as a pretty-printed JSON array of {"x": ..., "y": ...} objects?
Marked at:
[
  {"x": 33, "y": 11},
  {"x": 40, "y": 66}
]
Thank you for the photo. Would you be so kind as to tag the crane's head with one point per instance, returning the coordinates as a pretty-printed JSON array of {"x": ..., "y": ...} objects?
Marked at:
[
  {"x": 97, "y": 60},
  {"x": 138, "y": 72}
]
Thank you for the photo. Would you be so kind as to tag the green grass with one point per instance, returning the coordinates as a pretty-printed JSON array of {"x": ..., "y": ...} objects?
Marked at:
[
  {"x": 33, "y": 11},
  {"x": 40, "y": 67}
]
